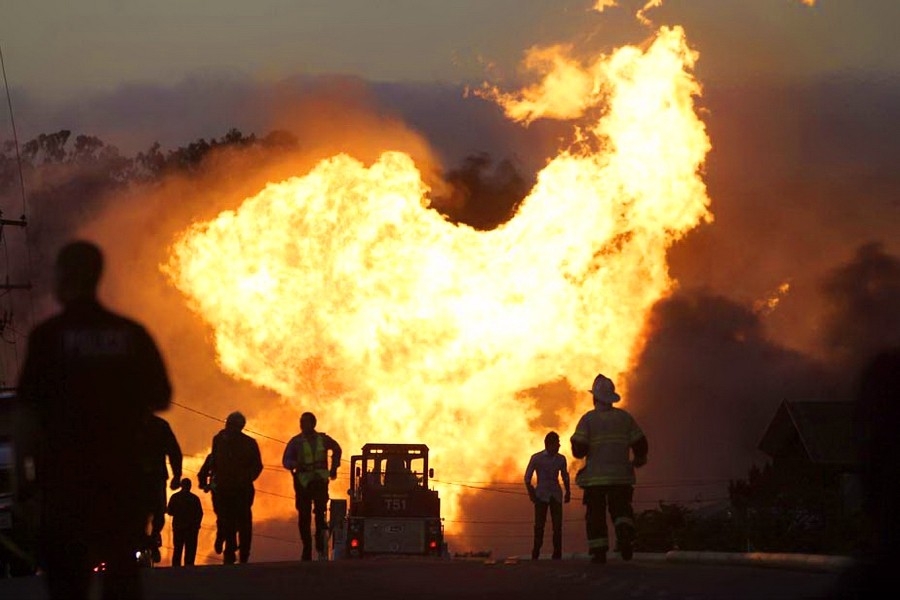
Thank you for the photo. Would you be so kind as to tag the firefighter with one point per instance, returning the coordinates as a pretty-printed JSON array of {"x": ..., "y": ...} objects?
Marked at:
[
  {"x": 236, "y": 463},
  {"x": 159, "y": 443},
  {"x": 187, "y": 515},
  {"x": 397, "y": 475},
  {"x": 604, "y": 436},
  {"x": 89, "y": 380},
  {"x": 306, "y": 457},
  {"x": 549, "y": 465}
]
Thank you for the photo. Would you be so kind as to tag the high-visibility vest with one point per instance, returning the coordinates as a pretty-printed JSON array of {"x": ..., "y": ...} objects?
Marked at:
[
  {"x": 313, "y": 461},
  {"x": 609, "y": 433}
]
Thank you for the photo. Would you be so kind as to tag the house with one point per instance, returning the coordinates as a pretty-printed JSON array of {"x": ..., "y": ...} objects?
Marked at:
[{"x": 817, "y": 439}]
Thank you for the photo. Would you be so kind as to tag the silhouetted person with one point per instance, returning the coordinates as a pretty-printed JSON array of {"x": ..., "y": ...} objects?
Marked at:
[
  {"x": 89, "y": 379},
  {"x": 397, "y": 476},
  {"x": 236, "y": 463},
  {"x": 879, "y": 424},
  {"x": 206, "y": 480},
  {"x": 187, "y": 514},
  {"x": 549, "y": 465},
  {"x": 159, "y": 443},
  {"x": 306, "y": 457},
  {"x": 605, "y": 437}
]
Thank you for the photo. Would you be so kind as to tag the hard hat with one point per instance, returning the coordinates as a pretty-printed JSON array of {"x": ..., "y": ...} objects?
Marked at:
[{"x": 604, "y": 390}]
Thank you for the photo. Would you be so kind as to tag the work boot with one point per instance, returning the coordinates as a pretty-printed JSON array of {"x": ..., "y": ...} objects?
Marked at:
[
  {"x": 626, "y": 543},
  {"x": 598, "y": 557},
  {"x": 557, "y": 555},
  {"x": 535, "y": 554}
]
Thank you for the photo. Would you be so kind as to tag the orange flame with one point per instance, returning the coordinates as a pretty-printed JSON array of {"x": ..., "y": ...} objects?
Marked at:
[
  {"x": 768, "y": 304},
  {"x": 346, "y": 294}
]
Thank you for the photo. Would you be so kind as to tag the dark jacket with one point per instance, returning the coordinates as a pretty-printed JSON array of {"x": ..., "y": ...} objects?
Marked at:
[
  {"x": 186, "y": 511},
  {"x": 90, "y": 378},
  {"x": 159, "y": 443},
  {"x": 236, "y": 461}
]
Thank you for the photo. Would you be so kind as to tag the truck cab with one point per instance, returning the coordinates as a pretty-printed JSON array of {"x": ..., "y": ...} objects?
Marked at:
[{"x": 392, "y": 509}]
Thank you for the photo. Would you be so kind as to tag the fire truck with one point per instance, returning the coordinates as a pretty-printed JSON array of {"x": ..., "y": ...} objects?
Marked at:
[{"x": 392, "y": 510}]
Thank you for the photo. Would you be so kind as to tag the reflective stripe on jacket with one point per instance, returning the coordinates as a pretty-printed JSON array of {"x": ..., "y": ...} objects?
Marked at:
[
  {"x": 609, "y": 433},
  {"x": 313, "y": 462}
]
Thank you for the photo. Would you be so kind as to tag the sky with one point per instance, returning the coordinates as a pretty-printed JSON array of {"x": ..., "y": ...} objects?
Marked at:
[
  {"x": 56, "y": 48},
  {"x": 801, "y": 103}
]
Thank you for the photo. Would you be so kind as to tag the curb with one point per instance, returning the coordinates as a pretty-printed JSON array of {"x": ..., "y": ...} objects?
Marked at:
[
  {"x": 805, "y": 562},
  {"x": 781, "y": 560}
]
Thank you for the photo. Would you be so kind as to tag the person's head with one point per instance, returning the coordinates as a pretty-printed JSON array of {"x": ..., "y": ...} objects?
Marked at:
[
  {"x": 551, "y": 442},
  {"x": 186, "y": 484},
  {"x": 78, "y": 268},
  {"x": 235, "y": 421},
  {"x": 307, "y": 422},
  {"x": 394, "y": 464},
  {"x": 604, "y": 391}
]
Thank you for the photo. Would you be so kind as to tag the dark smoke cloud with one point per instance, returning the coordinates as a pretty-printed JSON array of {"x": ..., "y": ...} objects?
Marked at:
[
  {"x": 800, "y": 176},
  {"x": 706, "y": 384},
  {"x": 484, "y": 194},
  {"x": 863, "y": 317},
  {"x": 710, "y": 378}
]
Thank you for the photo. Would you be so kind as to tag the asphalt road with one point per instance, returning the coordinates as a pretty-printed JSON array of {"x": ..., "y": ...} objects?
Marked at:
[{"x": 410, "y": 578}]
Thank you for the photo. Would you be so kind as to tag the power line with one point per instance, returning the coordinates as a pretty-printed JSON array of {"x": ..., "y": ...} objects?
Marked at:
[
  {"x": 468, "y": 485},
  {"x": 209, "y": 416},
  {"x": 12, "y": 121}
]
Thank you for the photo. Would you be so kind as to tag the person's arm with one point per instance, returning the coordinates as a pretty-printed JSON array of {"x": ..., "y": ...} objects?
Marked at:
[
  {"x": 564, "y": 471},
  {"x": 256, "y": 465},
  {"x": 204, "y": 475},
  {"x": 176, "y": 459},
  {"x": 581, "y": 439},
  {"x": 640, "y": 449},
  {"x": 639, "y": 446},
  {"x": 169, "y": 506},
  {"x": 289, "y": 458},
  {"x": 197, "y": 510},
  {"x": 153, "y": 384},
  {"x": 335, "y": 455},
  {"x": 529, "y": 474}
]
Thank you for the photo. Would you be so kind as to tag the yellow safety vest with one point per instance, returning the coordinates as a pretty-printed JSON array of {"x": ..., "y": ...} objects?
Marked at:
[{"x": 313, "y": 462}]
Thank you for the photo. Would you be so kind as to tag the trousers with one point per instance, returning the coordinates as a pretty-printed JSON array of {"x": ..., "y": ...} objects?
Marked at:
[
  {"x": 184, "y": 541},
  {"x": 235, "y": 522},
  {"x": 540, "y": 519},
  {"x": 596, "y": 500},
  {"x": 314, "y": 494}
]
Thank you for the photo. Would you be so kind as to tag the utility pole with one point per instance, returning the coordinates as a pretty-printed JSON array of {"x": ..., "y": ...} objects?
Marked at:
[{"x": 6, "y": 285}]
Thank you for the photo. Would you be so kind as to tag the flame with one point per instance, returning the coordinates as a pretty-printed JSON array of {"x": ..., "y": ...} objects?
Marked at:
[
  {"x": 346, "y": 294},
  {"x": 768, "y": 304},
  {"x": 601, "y": 5},
  {"x": 642, "y": 13}
]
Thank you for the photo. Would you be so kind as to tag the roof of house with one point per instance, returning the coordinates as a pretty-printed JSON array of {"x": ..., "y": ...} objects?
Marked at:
[{"x": 825, "y": 429}]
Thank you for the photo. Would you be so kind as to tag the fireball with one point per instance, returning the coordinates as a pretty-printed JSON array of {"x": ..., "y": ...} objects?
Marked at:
[{"x": 343, "y": 291}]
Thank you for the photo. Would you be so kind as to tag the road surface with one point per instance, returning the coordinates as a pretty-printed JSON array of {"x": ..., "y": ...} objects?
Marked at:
[{"x": 410, "y": 578}]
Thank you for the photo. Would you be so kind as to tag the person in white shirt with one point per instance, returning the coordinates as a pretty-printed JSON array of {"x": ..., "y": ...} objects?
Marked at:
[{"x": 549, "y": 465}]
